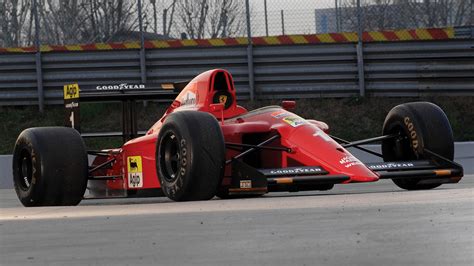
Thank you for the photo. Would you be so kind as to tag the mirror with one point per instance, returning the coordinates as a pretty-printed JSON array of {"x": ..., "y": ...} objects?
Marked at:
[{"x": 288, "y": 105}]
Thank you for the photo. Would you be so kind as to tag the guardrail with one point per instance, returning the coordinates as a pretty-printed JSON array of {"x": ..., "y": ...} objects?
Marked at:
[
  {"x": 403, "y": 68},
  {"x": 464, "y": 32}
]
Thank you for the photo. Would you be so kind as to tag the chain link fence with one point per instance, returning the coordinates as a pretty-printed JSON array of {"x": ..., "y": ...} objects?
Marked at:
[
  {"x": 92, "y": 21},
  {"x": 279, "y": 17},
  {"x": 378, "y": 15}
]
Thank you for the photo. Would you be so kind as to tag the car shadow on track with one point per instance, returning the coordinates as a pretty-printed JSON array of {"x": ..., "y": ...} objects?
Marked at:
[{"x": 161, "y": 200}]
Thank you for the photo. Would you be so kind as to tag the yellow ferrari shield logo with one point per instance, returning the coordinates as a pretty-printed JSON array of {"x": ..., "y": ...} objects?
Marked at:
[{"x": 222, "y": 99}]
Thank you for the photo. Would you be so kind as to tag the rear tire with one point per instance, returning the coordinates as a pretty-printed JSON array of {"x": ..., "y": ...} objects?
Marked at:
[
  {"x": 190, "y": 156},
  {"x": 421, "y": 125},
  {"x": 50, "y": 167}
]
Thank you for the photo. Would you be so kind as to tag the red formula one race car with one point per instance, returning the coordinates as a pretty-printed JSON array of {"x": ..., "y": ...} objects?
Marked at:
[{"x": 207, "y": 145}]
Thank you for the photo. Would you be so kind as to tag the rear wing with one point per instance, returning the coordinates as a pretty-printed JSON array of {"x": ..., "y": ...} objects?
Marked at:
[{"x": 126, "y": 94}]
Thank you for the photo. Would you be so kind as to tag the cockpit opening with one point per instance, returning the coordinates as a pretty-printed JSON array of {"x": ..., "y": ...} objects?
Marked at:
[{"x": 222, "y": 87}]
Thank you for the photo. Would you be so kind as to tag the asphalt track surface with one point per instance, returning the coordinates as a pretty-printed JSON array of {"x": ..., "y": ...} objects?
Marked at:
[{"x": 360, "y": 224}]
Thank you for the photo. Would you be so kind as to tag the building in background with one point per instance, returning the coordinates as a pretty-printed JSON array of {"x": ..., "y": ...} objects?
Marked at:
[{"x": 395, "y": 14}]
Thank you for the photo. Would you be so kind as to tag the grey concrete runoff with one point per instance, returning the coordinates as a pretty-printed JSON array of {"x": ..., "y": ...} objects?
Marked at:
[
  {"x": 359, "y": 224},
  {"x": 464, "y": 154}
]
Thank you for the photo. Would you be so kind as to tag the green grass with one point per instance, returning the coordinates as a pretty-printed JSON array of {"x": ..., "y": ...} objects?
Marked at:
[{"x": 349, "y": 118}]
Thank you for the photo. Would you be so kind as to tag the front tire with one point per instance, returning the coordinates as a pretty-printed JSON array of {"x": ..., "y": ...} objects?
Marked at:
[
  {"x": 421, "y": 125},
  {"x": 190, "y": 156},
  {"x": 50, "y": 167}
]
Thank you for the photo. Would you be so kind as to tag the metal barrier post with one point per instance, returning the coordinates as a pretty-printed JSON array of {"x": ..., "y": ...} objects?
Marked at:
[
  {"x": 338, "y": 24},
  {"x": 142, "y": 44},
  {"x": 360, "y": 51},
  {"x": 472, "y": 18},
  {"x": 282, "y": 22},
  {"x": 39, "y": 72},
  {"x": 266, "y": 16},
  {"x": 249, "y": 52}
]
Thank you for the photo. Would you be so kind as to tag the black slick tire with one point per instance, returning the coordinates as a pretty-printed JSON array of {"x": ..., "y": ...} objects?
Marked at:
[
  {"x": 50, "y": 167},
  {"x": 421, "y": 125},
  {"x": 190, "y": 156}
]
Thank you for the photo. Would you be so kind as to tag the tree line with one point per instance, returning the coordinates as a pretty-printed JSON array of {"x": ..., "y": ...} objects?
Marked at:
[
  {"x": 400, "y": 14},
  {"x": 87, "y": 21}
]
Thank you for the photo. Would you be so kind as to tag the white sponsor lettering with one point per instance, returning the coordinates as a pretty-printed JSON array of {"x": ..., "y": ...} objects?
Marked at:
[
  {"x": 295, "y": 171},
  {"x": 349, "y": 161},
  {"x": 123, "y": 86},
  {"x": 391, "y": 165},
  {"x": 72, "y": 105}
]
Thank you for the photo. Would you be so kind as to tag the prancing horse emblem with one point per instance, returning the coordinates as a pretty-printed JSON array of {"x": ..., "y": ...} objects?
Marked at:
[
  {"x": 222, "y": 99},
  {"x": 133, "y": 164}
]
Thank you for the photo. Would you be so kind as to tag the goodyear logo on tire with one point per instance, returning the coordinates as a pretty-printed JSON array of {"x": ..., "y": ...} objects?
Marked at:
[{"x": 135, "y": 171}]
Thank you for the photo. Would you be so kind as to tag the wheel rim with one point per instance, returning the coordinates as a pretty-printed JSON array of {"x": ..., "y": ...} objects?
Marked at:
[
  {"x": 25, "y": 170},
  {"x": 400, "y": 146},
  {"x": 170, "y": 157}
]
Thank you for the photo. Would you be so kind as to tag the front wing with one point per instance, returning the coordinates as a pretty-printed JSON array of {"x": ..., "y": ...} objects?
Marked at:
[{"x": 249, "y": 180}]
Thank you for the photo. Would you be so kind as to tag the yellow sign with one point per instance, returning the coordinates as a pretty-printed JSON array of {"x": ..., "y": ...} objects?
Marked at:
[
  {"x": 222, "y": 99},
  {"x": 71, "y": 91},
  {"x": 134, "y": 164}
]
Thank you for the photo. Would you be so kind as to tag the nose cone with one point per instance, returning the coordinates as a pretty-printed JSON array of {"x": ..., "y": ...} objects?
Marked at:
[{"x": 314, "y": 147}]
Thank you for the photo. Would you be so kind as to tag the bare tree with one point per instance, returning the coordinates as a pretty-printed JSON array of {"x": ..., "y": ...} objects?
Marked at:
[
  {"x": 396, "y": 14},
  {"x": 192, "y": 15},
  {"x": 438, "y": 13},
  {"x": 15, "y": 23},
  {"x": 226, "y": 18},
  {"x": 166, "y": 10},
  {"x": 168, "y": 18},
  {"x": 380, "y": 15},
  {"x": 107, "y": 18},
  {"x": 155, "y": 16},
  {"x": 82, "y": 21},
  {"x": 210, "y": 18},
  {"x": 61, "y": 21}
]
